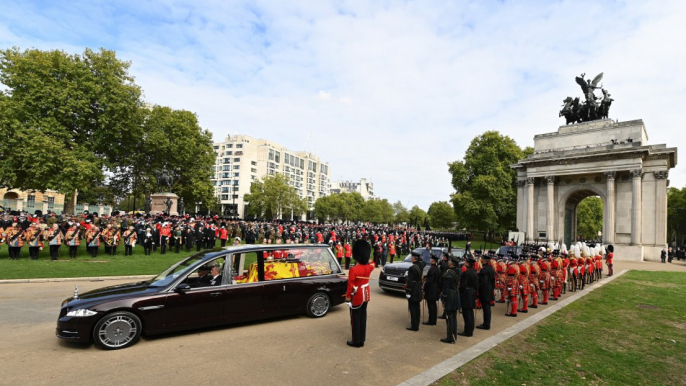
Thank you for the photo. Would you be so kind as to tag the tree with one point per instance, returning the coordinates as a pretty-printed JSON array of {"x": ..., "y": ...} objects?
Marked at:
[
  {"x": 273, "y": 197},
  {"x": 589, "y": 217},
  {"x": 70, "y": 117},
  {"x": 378, "y": 211},
  {"x": 485, "y": 195},
  {"x": 441, "y": 215},
  {"x": 402, "y": 215},
  {"x": 417, "y": 216},
  {"x": 339, "y": 206},
  {"x": 676, "y": 215}
]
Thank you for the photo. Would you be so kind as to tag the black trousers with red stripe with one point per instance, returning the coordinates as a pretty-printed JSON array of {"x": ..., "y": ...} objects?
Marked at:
[{"x": 358, "y": 320}]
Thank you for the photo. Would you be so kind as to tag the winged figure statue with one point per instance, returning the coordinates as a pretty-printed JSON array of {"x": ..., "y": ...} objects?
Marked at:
[{"x": 593, "y": 108}]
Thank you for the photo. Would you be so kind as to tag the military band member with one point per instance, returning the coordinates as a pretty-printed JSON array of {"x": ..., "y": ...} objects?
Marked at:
[
  {"x": 556, "y": 278},
  {"x": 178, "y": 238},
  {"x": 14, "y": 240},
  {"x": 468, "y": 284},
  {"x": 524, "y": 286},
  {"x": 413, "y": 291},
  {"x": 72, "y": 239},
  {"x": 534, "y": 273},
  {"x": 431, "y": 285},
  {"x": 54, "y": 238},
  {"x": 148, "y": 241},
  {"x": 501, "y": 275},
  {"x": 544, "y": 281},
  {"x": 358, "y": 293},
  {"x": 130, "y": 239},
  {"x": 450, "y": 296},
  {"x": 512, "y": 287},
  {"x": 32, "y": 237},
  {"x": 93, "y": 236},
  {"x": 486, "y": 287},
  {"x": 165, "y": 233}
]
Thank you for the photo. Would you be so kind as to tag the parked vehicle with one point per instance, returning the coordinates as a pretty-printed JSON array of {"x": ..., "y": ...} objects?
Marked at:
[{"x": 393, "y": 277}]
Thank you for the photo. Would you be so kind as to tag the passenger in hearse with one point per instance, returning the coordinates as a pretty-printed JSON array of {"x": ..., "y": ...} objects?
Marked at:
[
  {"x": 203, "y": 277},
  {"x": 216, "y": 278}
]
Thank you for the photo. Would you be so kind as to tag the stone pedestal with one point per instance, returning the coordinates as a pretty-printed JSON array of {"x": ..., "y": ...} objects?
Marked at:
[{"x": 159, "y": 203}]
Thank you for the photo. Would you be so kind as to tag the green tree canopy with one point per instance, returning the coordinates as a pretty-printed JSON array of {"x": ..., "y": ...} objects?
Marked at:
[
  {"x": 417, "y": 216},
  {"x": 485, "y": 195},
  {"x": 589, "y": 217},
  {"x": 78, "y": 121},
  {"x": 441, "y": 215},
  {"x": 402, "y": 215},
  {"x": 378, "y": 211},
  {"x": 676, "y": 215},
  {"x": 273, "y": 197}
]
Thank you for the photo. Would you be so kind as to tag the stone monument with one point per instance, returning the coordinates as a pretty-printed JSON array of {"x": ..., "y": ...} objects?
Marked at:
[
  {"x": 166, "y": 201},
  {"x": 612, "y": 160}
]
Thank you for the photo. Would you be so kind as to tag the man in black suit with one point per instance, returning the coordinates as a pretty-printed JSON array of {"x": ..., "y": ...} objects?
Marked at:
[
  {"x": 486, "y": 287},
  {"x": 203, "y": 277},
  {"x": 216, "y": 274},
  {"x": 468, "y": 284}
]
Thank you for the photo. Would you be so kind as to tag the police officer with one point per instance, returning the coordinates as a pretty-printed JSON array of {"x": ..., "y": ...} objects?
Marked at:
[
  {"x": 431, "y": 285},
  {"x": 413, "y": 291},
  {"x": 450, "y": 297},
  {"x": 468, "y": 284},
  {"x": 486, "y": 287}
]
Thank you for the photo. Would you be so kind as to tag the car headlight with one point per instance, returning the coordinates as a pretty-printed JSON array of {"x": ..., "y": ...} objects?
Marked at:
[
  {"x": 81, "y": 313},
  {"x": 383, "y": 269}
]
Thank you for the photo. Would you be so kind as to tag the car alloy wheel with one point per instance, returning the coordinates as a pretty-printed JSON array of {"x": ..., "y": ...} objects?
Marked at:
[
  {"x": 318, "y": 305},
  {"x": 117, "y": 330}
]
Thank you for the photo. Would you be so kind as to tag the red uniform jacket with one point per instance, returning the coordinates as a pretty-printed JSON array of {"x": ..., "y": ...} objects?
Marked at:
[{"x": 358, "y": 288}]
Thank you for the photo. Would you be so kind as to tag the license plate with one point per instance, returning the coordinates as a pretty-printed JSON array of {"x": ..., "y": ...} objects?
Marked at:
[{"x": 392, "y": 278}]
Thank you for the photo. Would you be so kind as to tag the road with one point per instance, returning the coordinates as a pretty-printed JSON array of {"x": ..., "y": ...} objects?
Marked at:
[{"x": 287, "y": 351}]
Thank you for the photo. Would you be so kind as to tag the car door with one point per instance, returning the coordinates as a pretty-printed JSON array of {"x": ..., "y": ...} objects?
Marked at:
[
  {"x": 244, "y": 302},
  {"x": 197, "y": 307},
  {"x": 283, "y": 297}
]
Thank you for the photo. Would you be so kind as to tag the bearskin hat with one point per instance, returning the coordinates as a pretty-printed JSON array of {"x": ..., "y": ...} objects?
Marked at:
[{"x": 361, "y": 251}]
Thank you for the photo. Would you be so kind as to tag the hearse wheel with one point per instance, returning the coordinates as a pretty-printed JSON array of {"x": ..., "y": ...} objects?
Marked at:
[
  {"x": 117, "y": 330},
  {"x": 318, "y": 305}
]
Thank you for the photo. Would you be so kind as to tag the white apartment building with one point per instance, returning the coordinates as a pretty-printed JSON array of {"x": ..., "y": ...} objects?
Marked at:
[
  {"x": 366, "y": 189},
  {"x": 242, "y": 159}
]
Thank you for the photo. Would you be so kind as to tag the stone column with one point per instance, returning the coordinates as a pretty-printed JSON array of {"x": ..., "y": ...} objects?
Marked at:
[
  {"x": 530, "y": 209},
  {"x": 550, "y": 213},
  {"x": 661, "y": 207},
  {"x": 609, "y": 218},
  {"x": 636, "y": 197}
]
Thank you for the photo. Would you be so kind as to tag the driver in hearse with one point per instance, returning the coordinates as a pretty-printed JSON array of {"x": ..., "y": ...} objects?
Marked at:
[{"x": 203, "y": 277}]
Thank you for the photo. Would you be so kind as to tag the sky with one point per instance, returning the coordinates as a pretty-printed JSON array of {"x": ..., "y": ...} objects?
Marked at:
[{"x": 391, "y": 91}]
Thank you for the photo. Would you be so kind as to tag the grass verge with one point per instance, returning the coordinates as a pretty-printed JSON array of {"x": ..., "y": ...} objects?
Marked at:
[{"x": 630, "y": 332}]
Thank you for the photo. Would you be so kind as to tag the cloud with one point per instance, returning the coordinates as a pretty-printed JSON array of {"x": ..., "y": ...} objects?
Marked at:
[{"x": 407, "y": 85}]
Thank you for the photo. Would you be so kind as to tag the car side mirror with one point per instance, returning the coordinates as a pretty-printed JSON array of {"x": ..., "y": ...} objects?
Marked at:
[{"x": 182, "y": 288}]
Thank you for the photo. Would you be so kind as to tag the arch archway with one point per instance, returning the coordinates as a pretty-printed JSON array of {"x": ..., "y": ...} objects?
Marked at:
[
  {"x": 11, "y": 196},
  {"x": 569, "y": 203}
]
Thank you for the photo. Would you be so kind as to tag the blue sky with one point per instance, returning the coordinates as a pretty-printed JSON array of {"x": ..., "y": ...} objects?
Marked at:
[{"x": 387, "y": 90}]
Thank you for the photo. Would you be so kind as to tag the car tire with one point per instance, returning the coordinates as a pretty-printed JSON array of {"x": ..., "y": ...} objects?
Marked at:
[
  {"x": 318, "y": 305},
  {"x": 117, "y": 330}
]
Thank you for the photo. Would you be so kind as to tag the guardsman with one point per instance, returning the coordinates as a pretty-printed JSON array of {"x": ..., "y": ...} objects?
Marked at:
[
  {"x": 501, "y": 273},
  {"x": 348, "y": 253},
  {"x": 130, "y": 239},
  {"x": 598, "y": 264},
  {"x": 544, "y": 279},
  {"x": 165, "y": 234},
  {"x": 358, "y": 293},
  {"x": 609, "y": 256},
  {"x": 413, "y": 291},
  {"x": 54, "y": 238},
  {"x": 565, "y": 271},
  {"x": 573, "y": 271},
  {"x": 468, "y": 284},
  {"x": 450, "y": 297},
  {"x": 556, "y": 278},
  {"x": 339, "y": 253},
  {"x": 14, "y": 240},
  {"x": 486, "y": 289},
  {"x": 33, "y": 238},
  {"x": 512, "y": 287},
  {"x": 524, "y": 286},
  {"x": 72, "y": 239},
  {"x": 534, "y": 273},
  {"x": 431, "y": 286},
  {"x": 494, "y": 265}
]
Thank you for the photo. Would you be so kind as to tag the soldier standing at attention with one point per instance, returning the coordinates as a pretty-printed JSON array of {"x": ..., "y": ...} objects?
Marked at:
[
  {"x": 413, "y": 291},
  {"x": 54, "y": 239},
  {"x": 450, "y": 297},
  {"x": 486, "y": 287},
  {"x": 431, "y": 285},
  {"x": 72, "y": 239},
  {"x": 358, "y": 293},
  {"x": 468, "y": 284},
  {"x": 130, "y": 239},
  {"x": 608, "y": 259}
]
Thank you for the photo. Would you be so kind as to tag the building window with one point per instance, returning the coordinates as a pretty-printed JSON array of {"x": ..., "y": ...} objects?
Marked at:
[
  {"x": 325, "y": 169},
  {"x": 253, "y": 163},
  {"x": 229, "y": 153},
  {"x": 236, "y": 160},
  {"x": 277, "y": 157},
  {"x": 236, "y": 167},
  {"x": 253, "y": 170},
  {"x": 225, "y": 197},
  {"x": 239, "y": 146},
  {"x": 229, "y": 146},
  {"x": 225, "y": 189},
  {"x": 227, "y": 160},
  {"x": 235, "y": 174},
  {"x": 235, "y": 196},
  {"x": 271, "y": 155}
]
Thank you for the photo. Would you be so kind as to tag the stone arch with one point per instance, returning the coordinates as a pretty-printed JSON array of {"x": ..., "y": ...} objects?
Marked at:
[
  {"x": 11, "y": 196},
  {"x": 568, "y": 204}
]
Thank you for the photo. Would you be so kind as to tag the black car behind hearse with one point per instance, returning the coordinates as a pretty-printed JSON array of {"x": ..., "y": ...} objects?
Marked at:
[
  {"x": 393, "y": 277},
  {"x": 215, "y": 287}
]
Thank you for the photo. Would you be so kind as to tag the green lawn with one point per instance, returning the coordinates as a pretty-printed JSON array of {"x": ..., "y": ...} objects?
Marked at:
[
  {"x": 86, "y": 266},
  {"x": 630, "y": 332}
]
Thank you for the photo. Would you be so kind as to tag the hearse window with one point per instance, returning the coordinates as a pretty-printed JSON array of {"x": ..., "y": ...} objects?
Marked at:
[
  {"x": 240, "y": 273},
  {"x": 208, "y": 275},
  {"x": 289, "y": 263},
  {"x": 176, "y": 270}
]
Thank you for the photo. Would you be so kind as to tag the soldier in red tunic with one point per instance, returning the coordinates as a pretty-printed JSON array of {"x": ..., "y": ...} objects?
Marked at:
[
  {"x": 556, "y": 278},
  {"x": 358, "y": 293},
  {"x": 524, "y": 285},
  {"x": 608, "y": 259},
  {"x": 544, "y": 281},
  {"x": 534, "y": 272},
  {"x": 512, "y": 287}
]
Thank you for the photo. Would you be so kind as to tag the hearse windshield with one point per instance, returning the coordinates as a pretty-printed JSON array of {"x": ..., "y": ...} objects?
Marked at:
[{"x": 178, "y": 269}]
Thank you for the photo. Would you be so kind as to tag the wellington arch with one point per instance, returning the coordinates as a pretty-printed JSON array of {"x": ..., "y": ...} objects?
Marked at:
[{"x": 604, "y": 158}]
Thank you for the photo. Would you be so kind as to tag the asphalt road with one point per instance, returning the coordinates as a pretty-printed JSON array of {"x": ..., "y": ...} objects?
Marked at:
[{"x": 288, "y": 351}]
